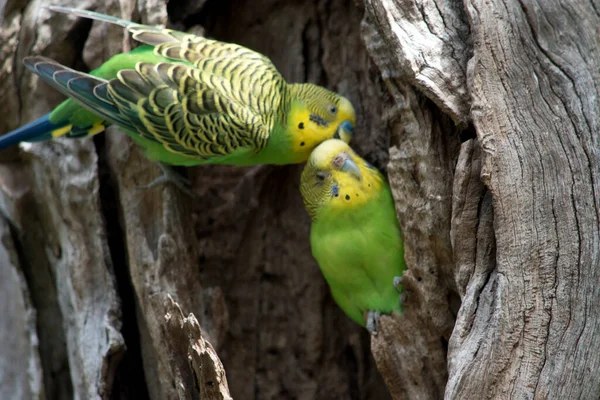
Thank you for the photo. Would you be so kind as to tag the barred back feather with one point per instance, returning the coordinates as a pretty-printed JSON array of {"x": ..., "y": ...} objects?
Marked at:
[{"x": 200, "y": 100}]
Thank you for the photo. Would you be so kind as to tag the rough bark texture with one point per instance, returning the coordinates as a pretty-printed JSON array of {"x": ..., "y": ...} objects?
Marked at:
[
  {"x": 484, "y": 116},
  {"x": 425, "y": 43},
  {"x": 20, "y": 368},
  {"x": 529, "y": 322},
  {"x": 411, "y": 352}
]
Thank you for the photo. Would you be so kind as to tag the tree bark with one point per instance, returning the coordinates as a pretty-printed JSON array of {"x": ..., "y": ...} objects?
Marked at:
[
  {"x": 485, "y": 117},
  {"x": 528, "y": 326}
]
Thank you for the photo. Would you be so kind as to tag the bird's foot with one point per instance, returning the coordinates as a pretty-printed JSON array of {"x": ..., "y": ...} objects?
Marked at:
[
  {"x": 372, "y": 321},
  {"x": 398, "y": 283},
  {"x": 169, "y": 175},
  {"x": 400, "y": 289}
]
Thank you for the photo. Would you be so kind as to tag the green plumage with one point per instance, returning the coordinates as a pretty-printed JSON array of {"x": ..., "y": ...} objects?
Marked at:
[
  {"x": 355, "y": 236},
  {"x": 360, "y": 253},
  {"x": 188, "y": 100},
  {"x": 78, "y": 116}
]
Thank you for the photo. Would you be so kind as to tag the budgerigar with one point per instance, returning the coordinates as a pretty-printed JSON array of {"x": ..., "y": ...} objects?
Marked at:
[
  {"x": 188, "y": 100},
  {"x": 355, "y": 236}
]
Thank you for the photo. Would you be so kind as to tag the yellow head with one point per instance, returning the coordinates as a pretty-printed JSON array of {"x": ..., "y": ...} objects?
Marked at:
[
  {"x": 336, "y": 178},
  {"x": 318, "y": 114}
]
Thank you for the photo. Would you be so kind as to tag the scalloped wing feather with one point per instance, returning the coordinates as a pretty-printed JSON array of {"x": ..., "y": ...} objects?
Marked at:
[{"x": 214, "y": 98}]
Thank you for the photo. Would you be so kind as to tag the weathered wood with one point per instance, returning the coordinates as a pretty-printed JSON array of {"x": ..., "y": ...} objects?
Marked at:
[
  {"x": 411, "y": 352},
  {"x": 207, "y": 367},
  {"x": 75, "y": 246},
  {"x": 21, "y": 375},
  {"x": 421, "y": 178},
  {"x": 472, "y": 221},
  {"x": 18, "y": 205},
  {"x": 426, "y": 43},
  {"x": 161, "y": 262},
  {"x": 529, "y": 320}
]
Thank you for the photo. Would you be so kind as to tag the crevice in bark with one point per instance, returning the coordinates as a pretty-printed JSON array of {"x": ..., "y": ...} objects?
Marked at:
[
  {"x": 129, "y": 379},
  {"x": 78, "y": 35},
  {"x": 320, "y": 76},
  {"x": 52, "y": 341},
  {"x": 207, "y": 15},
  {"x": 17, "y": 77},
  {"x": 353, "y": 376},
  {"x": 305, "y": 49},
  {"x": 468, "y": 133}
]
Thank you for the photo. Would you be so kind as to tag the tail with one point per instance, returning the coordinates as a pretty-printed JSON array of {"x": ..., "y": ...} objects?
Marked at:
[
  {"x": 43, "y": 129},
  {"x": 37, "y": 130},
  {"x": 89, "y": 91},
  {"x": 61, "y": 78}
]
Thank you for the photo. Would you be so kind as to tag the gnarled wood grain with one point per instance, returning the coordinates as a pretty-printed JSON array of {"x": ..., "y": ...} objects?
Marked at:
[
  {"x": 54, "y": 206},
  {"x": 426, "y": 43},
  {"x": 532, "y": 331},
  {"x": 208, "y": 370},
  {"x": 21, "y": 374},
  {"x": 411, "y": 352}
]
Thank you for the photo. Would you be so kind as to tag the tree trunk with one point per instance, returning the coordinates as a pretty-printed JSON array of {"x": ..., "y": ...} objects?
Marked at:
[{"x": 485, "y": 117}]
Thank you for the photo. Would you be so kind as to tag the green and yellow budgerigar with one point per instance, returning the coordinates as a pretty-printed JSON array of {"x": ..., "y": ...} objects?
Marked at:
[
  {"x": 355, "y": 236},
  {"x": 188, "y": 100}
]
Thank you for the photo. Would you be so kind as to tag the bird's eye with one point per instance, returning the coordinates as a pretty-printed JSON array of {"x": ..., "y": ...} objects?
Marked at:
[
  {"x": 321, "y": 175},
  {"x": 332, "y": 109}
]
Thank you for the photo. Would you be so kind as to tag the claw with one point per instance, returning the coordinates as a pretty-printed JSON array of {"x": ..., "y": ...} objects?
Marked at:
[
  {"x": 400, "y": 290},
  {"x": 398, "y": 283},
  {"x": 372, "y": 321},
  {"x": 169, "y": 175}
]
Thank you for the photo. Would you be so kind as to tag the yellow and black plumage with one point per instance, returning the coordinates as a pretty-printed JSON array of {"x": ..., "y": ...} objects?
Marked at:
[{"x": 190, "y": 100}]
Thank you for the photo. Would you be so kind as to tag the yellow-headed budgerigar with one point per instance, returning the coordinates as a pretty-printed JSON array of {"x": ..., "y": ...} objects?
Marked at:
[
  {"x": 355, "y": 236},
  {"x": 188, "y": 100}
]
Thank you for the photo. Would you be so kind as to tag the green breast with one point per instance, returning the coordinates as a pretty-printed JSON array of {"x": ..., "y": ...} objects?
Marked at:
[{"x": 360, "y": 252}]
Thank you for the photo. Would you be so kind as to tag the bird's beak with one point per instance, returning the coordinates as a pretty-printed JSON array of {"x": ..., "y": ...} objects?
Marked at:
[
  {"x": 345, "y": 131},
  {"x": 350, "y": 167}
]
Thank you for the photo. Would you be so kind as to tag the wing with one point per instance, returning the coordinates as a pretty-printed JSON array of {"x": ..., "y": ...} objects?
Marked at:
[
  {"x": 187, "y": 113},
  {"x": 87, "y": 90},
  {"x": 214, "y": 98},
  {"x": 252, "y": 74},
  {"x": 168, "y": 103}
]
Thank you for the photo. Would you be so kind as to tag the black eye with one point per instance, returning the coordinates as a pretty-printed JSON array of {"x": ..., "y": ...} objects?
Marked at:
[
  {"x": 333, "y": 109},
  {"x": 321, "y": 176}
]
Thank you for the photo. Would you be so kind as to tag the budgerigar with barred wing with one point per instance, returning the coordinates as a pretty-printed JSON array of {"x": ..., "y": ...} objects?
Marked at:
[
  {"x": 355, "y": 236},
  {"x": 188, "y": 100}
]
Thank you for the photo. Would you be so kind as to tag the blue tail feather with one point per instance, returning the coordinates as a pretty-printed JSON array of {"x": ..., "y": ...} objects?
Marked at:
[{"x": 36, "y": 131}]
